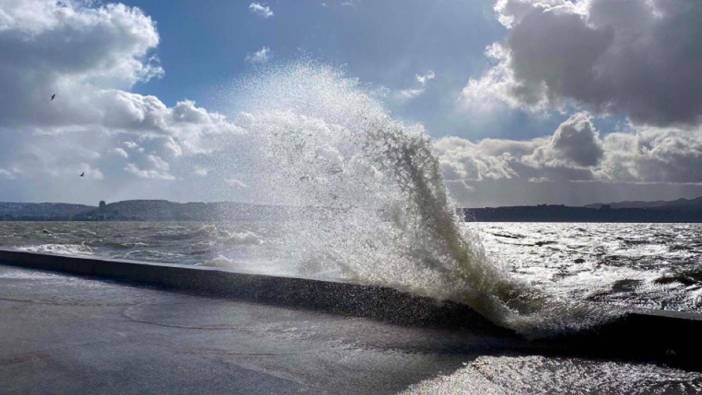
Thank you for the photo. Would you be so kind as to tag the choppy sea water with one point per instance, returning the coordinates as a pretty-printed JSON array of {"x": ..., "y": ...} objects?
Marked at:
[
  {"x": 656, "y": 266},
  {"x": 488, "y": 375}
]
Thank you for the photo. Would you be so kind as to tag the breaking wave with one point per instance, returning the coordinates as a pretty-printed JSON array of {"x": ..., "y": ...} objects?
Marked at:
[
  {"x": 370, "y": 201},
  {"x": 60, "y": 249}
]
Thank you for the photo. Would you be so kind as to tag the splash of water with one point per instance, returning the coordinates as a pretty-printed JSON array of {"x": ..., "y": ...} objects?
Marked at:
[{"x": 371, "y": 203}]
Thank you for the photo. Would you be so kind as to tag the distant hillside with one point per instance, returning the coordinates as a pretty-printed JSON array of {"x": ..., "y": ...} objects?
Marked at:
[
  {"x": 41, "y": 211},
  {"x": 138, "y": 210},
  {"x": 644, "y": 204},
  {"x": 163, "y": 210},
  {"x": 681, "y": 210}
]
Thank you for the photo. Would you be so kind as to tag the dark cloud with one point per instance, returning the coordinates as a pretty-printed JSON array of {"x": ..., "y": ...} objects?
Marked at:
[
  {"x": 574, "y": 154},
  {"x": 576, "y": 141},
  {"x": 639, "y": 58}
]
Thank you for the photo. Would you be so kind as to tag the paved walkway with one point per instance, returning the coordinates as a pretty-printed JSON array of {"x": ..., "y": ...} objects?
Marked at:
[{"x": 64, "y": 334}]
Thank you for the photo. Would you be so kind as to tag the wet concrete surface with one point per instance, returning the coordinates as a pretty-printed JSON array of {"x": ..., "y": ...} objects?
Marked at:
[{"x": 66, "y": 334}]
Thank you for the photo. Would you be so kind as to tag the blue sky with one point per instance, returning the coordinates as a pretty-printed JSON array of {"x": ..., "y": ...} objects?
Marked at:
[
  {"x": 382, "y": 43},
  {"x": 525, "y": 101}
]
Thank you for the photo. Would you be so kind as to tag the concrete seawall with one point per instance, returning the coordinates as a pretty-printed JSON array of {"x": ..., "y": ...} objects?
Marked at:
[
  {"x": 380, "y": 303},
  {"x": 654, "y": 336}
]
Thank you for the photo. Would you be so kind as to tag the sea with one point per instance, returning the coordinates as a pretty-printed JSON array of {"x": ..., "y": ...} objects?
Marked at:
[{"x": 648, "y": 266}]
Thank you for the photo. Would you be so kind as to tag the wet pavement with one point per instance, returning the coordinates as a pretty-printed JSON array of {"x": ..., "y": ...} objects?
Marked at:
[{"x": 66, "y": 334}]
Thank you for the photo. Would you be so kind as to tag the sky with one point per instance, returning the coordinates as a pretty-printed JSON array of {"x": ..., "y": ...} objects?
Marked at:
[{"x": 526, "y": 101}]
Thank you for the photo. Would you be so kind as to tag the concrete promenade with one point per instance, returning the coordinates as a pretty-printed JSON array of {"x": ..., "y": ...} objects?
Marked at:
[
  {"x": 69, "y": 335},
  {"x": 103, "y": 326}
]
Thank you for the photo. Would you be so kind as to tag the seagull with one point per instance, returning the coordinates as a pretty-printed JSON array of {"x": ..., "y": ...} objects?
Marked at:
[
  {"x": 53, "y": 96},
  {"x": 82, "y": 174}
]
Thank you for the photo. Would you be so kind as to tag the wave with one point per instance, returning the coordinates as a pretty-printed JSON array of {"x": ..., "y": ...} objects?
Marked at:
[
  {"x": 209, "y": 233},
  {"x": 541, "y": 375},
  {"x": 230, "y": 238},
  {"x": 374, "y": 204},
  {"x": 60, "y": 249}
]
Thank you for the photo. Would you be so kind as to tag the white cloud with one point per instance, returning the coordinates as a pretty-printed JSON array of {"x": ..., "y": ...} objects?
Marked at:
[
  {"x": 88, "y": 172},
  {"x": 422, "y": 81},
  {"x": 601, "y": 55},
  {"x": 660, "y": 155},
  {"x": 494, "y": 88},
  {"x": 157, "y": 169},
  {"x": 424, "y": 78},
  {"x": 90, "y": 56},
  {"x": 263, "y": 55},
  {"x": 7, "y": 174},
  {"x": 577, "y": 152},
  {"x": 78, "y": 170},
  {"x": 201, "y": 171},
  {"x": 69, "y": 50},
  {"x": 121, "y": 152},
  {"x": 131, "y": 145},
  {"x": 261, "y": 10}
]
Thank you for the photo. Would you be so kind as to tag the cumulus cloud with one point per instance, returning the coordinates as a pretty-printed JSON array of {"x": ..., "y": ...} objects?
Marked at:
[
  {"x": 156, "y": 168},
  {"x": 639, "y": 58},
  {"x": 69, "y": 50},
  {"x": 661, "y": 155},
  {"x": 74, "y": 170},
  {"x": 576, "y": 152},
  {"x": 261, "y": 10},
  {"x": 576, "y": 141},
  {"x": 263, "y": 55},
  {"x": 90, "y": 56}
]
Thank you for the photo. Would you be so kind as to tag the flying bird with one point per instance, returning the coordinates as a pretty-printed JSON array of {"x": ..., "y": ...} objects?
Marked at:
[
  {"x": 82, "y": 174},
  {"x": 53, "y": 96}
]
